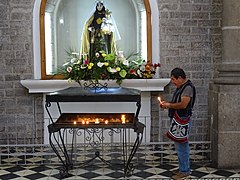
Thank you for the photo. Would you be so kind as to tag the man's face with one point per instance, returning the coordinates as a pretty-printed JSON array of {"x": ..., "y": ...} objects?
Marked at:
[{"x": 176, "y": 81}]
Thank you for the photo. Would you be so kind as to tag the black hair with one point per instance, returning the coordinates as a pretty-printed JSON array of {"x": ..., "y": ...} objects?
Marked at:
[{"x": 177, "y": 72}]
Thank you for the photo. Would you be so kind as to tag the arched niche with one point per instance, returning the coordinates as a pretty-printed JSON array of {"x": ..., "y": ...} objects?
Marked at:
[{"x": 143, "y": 29}]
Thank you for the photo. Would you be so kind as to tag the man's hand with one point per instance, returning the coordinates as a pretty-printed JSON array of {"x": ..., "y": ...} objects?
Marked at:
[
  {"x": 179, "y": 105},
  {"x": 165, "y": 105}
]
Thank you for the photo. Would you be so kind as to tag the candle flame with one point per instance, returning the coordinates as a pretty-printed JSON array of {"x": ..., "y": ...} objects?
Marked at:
[
  {"x": 160, "y": 100},
  {"x": 123, "y": 119},
  {"x": 97, "y": 121}
]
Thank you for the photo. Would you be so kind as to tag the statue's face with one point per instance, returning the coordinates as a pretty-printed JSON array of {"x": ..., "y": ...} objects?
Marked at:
[{"x": 99, "y": 6}]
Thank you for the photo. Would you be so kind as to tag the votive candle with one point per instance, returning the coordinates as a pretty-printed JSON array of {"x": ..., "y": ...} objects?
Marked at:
[
  {"x": 123, "y": 119},
  {"x": 97, "y": 121}
]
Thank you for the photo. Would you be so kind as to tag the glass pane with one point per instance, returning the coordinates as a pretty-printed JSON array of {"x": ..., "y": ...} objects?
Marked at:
[{"x": 65, "y": 21}]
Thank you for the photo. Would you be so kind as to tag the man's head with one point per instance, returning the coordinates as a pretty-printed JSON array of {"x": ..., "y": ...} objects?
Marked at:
[{"x": 178, "y": 77}]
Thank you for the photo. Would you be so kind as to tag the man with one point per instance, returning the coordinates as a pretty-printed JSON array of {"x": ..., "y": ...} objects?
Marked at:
[{"x": 180, "y": 111}]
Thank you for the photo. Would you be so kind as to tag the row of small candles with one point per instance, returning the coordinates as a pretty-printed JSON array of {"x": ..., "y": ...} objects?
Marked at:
[{"x": 123, "y": 120}]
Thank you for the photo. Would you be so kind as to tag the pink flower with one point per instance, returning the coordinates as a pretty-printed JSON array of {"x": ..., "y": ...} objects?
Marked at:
[
  {"x": 86, "y": 61},
  {"x": 69, "y": 69}
]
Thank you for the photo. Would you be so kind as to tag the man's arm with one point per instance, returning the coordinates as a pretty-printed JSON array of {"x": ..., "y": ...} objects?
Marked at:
[{"x": 179, "y": 105}]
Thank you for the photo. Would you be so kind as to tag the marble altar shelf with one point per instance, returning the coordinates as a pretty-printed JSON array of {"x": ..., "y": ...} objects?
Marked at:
[{"x": 45, "y": 86}]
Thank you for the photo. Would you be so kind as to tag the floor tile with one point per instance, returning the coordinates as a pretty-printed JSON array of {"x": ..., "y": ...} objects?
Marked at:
[
  {"x": 15, "y": 169},
  {"x": 103, "y": 177},
  {"x": 143, "y": 174},
  {"x": 3, "y": 172},
  {"x": 198, "y": 174},
  {"x": 208, "y": 176},
  {"x": 34, "y": 176},
  {"x": 90, "y": 175},
  {"x": 115, "y": 174},
  {"x": 145, "y": 166},
  {"x": 9, "y": 176},
  {"x": 235, "y": 176},
  {"x": 223, "y": 173},
  {"x": 12, "y": 160},
  {"x": 48, "y": 178},
  {"x": 151, "y": 170},
  {"x": 163, "y": 171}
]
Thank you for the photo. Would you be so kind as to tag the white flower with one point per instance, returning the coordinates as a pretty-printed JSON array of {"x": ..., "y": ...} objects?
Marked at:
[
  {"x": 83, "y": 66},
  {"x": 120, "y": 54},
  {"x": 75, "y": 53},
  {"x": 142, "y": 68},
  {"x": 112, "y": 70},
  {"x": 139, "y": 73},
  {"x": 100, "y": 64},
  {"x": 65, "y": 63},
  {"x": 69, "y": 80},
  {"x": 97, "y": 55},
  {"x": 135, "y": 62},
  {"x": 121, "y": 60},
  {"x": 125, "y": 62},
  {"x": 73, "y": 60}
]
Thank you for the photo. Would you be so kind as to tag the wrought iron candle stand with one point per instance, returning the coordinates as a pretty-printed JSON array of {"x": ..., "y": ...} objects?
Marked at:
[{"x": 73, "y": 123}]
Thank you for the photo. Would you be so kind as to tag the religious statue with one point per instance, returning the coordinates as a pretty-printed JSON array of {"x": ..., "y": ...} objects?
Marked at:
[{"x": 98, "y": 33}]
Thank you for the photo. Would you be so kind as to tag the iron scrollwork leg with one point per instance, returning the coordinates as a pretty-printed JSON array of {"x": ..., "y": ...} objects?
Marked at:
[
  {"x": 60, "y": 148},
  {"x": 47, "y": 105},
  {"x": 128, "y": 169},
  {"x": 95, "y": 138}
]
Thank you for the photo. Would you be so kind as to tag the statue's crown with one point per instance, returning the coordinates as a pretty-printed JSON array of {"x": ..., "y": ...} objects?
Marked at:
[{"x": 99, "y": 1}]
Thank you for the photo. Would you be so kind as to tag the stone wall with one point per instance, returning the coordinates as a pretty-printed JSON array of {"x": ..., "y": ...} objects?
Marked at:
[
  {"x": 20, "y": 113},
  {"x": 190, "y": 38},
  {"x": 224, "y": 110},
  {"x": 224, "y": 92}
]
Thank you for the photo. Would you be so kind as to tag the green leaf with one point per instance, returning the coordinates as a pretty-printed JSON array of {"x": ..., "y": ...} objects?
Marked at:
[
  {"x": 123, "y": 73},
  {"x": 109, "y": 57}
]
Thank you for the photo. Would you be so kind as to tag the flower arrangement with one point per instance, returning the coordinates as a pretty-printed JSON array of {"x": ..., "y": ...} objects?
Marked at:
[{"x": 105, "y": 67}]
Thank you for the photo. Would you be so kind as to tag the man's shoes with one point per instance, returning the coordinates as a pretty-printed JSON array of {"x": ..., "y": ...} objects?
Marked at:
[
  {"x": 175, "y": 171},
  {"x": 180, "y": 176}
]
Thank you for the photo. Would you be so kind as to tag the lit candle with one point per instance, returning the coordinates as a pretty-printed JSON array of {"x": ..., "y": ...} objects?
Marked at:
[
  {"x": 87, "y": 122},
  {"x": 97, "y": 121},
  {"x": 160, "y": 100},
  {"x": 74, "y": 122},
  {"x": 123, "y": 119},
  {"x": 106, "y": 122},
  {"x": 83, "y": 122}
]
